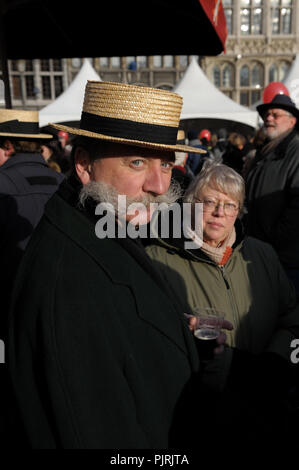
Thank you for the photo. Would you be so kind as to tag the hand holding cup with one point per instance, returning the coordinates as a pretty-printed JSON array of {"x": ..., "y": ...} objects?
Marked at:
[{"x": 207, "y": 325}]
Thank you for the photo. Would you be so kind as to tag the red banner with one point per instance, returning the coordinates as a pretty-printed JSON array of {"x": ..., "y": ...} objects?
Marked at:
[{"x": 215, "y": 12}]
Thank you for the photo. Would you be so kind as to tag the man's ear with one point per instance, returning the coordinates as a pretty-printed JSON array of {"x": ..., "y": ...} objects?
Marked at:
[
  {"x": 8, "y": 148},
  {"x": 82, "y": 165}
]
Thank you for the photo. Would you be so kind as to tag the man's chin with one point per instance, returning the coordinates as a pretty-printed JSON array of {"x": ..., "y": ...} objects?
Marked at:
[
  {"x": 141, "y": 218},
  {"x": 271, "y": 133}
]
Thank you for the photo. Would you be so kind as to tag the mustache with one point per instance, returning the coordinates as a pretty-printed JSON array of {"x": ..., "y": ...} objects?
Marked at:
[{"x": 103, "y": 192}]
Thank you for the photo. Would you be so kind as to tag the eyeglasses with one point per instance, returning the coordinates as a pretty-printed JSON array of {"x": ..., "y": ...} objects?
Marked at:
[
  {"x": 276, "y": 115},
  {"x": 229, "y": 208}
]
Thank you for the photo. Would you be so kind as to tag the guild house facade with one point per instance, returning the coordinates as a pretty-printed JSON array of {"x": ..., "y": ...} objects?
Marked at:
[{"x": 262, "y": 42}]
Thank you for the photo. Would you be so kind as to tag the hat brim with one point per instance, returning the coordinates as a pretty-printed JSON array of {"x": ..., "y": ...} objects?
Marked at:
[
  {"x": 120, "y": 140},
  {"x": 28, "y": 136},
  {"x": 263, "y": 108}
]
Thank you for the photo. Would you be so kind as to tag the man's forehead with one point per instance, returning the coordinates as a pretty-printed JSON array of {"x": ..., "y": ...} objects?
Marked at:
[
  {"x": 121, "y": 150},
  {"x": 274, "y": 110}
]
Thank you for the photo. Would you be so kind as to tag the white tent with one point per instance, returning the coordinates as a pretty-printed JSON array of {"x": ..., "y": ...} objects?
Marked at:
[
  {"x": 201, "y": 99},
  {"x": 292, "y": 81},
  {"x": 68, "y": 106}
]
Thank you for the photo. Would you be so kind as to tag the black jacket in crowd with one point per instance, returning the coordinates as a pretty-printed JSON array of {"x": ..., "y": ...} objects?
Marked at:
[{"x": 273, "y": 199}]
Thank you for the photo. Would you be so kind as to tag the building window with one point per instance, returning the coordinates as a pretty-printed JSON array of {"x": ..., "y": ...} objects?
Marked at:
[
  {"x": 251, "y": 17},
  {"x": 183, "y": 61},
  {"x": 228, "y": 11},
  {"x": 251, "y": 83},
  {"x": 227, "y": 76},
  {"x": 130, "y": 60},
  {"x": 281, "y": 16},
  {"x": 45, "y": 65},
  {"x": 217, "y": 76},
  {"x": 29, "y": 86},
  {"x": 244, "y": 76},
  {"x": 29, "y": 66},
  {"x": 46, "y": 88},
  {"x": 257, "y": 79},
  {"x": 16, "y": 87},
  {"x": 115, "y": 62},
  {"x": 278, "y": 72},
  {"x": 76, "y": 62},
  {"x": 57, "y": 65},
  {"x": 141, "y": 62},
  {"x": 168, "y": 61},
  {"x": 244, "y": 98},
  {"x": 223, "y": 77},
  {"x": 51, "y": 78},
  {"x": 58, "y": 86},
  {"x": 14, "y": 65},
  {"x": 157, "y": 61}
]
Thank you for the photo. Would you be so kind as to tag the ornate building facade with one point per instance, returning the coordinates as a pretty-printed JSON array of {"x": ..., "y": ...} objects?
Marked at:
[
  {"x": 36, "y": 83},
  {"x": 263, "y": 40}
]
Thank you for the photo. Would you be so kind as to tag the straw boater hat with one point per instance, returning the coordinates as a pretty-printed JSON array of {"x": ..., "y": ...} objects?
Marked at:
[
  {"x": 133, "y": 115},
  {"x": 19, "y": 123}
]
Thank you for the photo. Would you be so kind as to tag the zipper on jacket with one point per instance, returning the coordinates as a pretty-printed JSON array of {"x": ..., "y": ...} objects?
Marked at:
[
  {"x": 232, "y": 302},
  {"x": 224, "y": 277},
  {"x": 231, "y": 298}
]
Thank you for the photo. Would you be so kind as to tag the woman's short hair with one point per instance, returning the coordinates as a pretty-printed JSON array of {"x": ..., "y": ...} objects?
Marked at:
[{"x": 219, "y": 177}]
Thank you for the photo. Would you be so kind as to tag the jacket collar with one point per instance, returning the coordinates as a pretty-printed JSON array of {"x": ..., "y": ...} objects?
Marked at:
[
  {"x": 24, "y": 158},
  {"x": 62, "y": 211}
]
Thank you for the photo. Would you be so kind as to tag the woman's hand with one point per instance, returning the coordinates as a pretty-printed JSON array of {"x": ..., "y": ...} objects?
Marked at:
[{"x": 194, "y": 324}]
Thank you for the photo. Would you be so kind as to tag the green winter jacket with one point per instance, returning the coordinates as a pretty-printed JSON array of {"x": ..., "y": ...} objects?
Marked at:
[{"x": 252, "y": 289}]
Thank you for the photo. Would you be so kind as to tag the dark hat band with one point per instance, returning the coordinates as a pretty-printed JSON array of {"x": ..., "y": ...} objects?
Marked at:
[
  {"x": 124, "y": 129},
  {"x": 19, "y": 127}
]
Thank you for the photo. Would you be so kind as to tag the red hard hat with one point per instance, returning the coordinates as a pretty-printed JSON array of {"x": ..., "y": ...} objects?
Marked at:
[
  {"x": 205, "y": 134},
  {"x": 63, "y": 134}
]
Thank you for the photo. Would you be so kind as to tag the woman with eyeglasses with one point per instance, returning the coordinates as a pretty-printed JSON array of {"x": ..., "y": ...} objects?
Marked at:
[{"x": 240, "y": 276}]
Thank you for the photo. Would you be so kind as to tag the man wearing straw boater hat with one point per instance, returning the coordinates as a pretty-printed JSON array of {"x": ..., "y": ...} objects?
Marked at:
[
  {"x": 99, "y": 355},
  {"x": 26, "y": 183}
]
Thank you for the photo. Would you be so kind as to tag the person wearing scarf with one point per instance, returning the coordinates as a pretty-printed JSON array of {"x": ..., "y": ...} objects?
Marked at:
[{"x": 241, "y": 276}]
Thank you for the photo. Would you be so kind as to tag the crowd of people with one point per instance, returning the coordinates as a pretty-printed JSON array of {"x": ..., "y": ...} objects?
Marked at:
[{"x": 100, "y": 351}]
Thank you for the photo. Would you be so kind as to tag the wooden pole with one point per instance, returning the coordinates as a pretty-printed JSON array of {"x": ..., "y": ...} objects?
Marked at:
[{"x": 4, "y": 60}]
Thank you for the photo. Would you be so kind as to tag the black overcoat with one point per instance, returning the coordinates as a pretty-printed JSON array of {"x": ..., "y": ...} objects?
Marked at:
[
  {"x": 98, "y": 354},
  {"x": 272, "y": 189}
]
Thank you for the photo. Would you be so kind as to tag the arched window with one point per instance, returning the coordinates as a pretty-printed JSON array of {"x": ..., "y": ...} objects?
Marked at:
[
  {"x": 278, "y": 72},
  {"x": 216, "y": 76},
  {"x": 283, "y": 70},
  {"x": 257, "y": 79},
  {"x": 244, "y": 76},
  {"x": 227, "y": 76},
  {"x": 273, "y": 73},
  {"x": 251, "y": 82}
]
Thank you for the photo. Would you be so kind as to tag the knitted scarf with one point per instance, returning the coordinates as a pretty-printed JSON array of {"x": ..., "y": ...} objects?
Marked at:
[{"x": 221, "y": 254}]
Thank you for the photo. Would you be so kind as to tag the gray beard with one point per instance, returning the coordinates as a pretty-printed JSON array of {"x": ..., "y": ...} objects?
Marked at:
[{"x": 102, "y": 192}]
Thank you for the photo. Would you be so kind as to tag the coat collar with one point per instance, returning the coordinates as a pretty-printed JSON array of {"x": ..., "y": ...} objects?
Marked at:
[
  {"x": 24, "y": 158},
  {"x": 62, "y": 212}
]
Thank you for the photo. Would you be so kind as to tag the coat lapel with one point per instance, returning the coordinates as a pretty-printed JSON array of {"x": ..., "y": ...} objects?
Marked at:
[{"x": 121, "y": 268}]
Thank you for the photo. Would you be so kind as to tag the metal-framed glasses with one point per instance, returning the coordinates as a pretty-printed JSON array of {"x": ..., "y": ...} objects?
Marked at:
[
  {"x": 276, "y": 115},
  {"x": 209, "y": 205}
]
